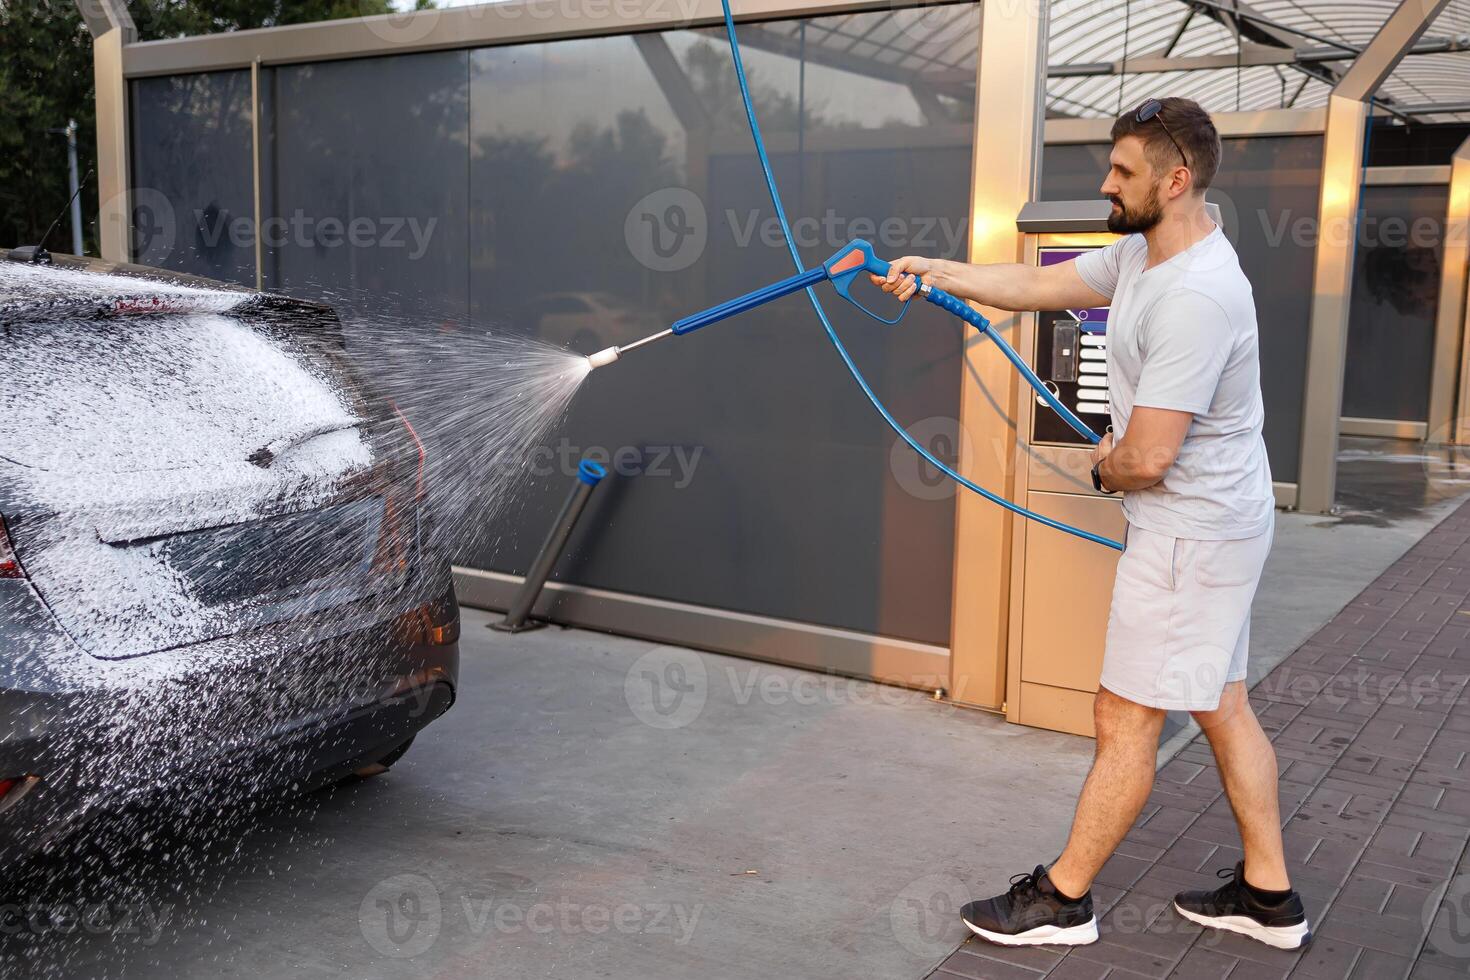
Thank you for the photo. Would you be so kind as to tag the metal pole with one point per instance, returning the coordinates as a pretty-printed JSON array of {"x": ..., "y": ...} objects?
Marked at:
[
  {"x": 255, "y": 165},
  {"x": 76, "y": 198},
  {"x": 589, "y": 474}
]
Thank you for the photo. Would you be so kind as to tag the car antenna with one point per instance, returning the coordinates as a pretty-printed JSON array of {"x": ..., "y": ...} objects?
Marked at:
[{"x": 37, "y": 254}]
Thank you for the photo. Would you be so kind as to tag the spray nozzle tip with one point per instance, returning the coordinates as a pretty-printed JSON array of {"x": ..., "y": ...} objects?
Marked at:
[{"x": 603, "y": 357}]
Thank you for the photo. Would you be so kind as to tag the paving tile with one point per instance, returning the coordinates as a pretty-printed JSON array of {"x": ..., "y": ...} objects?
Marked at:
[
  {"x": 1162, "y": 881},
  {"x": 1407, "y": 876},
  {"x": 1215, "y": 830},
  {"x": 1125, "y": 957},
  {"x": 1188, "y": 854},
  {"x": 986, "y": 970},
  {"x": 1257, "y": 953},
  {"x": 1374, "y": 965},
  {"x": 1327, "y": 958},
  {"x": 1205, "y": 964},
  {"x": 1423, "y": 818},
  {"x": 1409, "y": 902},
  {"x": 1363, "y": 892},
  {"x": 1121, "y": 870},
  {"x": 1170, "y": 820},
  {"x": 982, "y": 961},
  {"x": 1425, "y": 969},
  {"x": 1076, "y": 969},
  {"x": 1389, "y": 934}
]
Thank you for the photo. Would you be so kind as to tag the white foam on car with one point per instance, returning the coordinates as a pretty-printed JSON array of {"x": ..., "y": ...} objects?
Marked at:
[
  {"x": 144, "y": 427},
  {"x": 136, "y": 426},
  {"x": 36, "y": 287}
]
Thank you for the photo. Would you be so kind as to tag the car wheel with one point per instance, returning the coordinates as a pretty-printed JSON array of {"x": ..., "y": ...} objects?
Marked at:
[{"x": 386, "y": 762}]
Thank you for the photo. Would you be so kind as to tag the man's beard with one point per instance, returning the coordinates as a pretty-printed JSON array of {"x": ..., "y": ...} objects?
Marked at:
[{"x": 1142, "y": 218}]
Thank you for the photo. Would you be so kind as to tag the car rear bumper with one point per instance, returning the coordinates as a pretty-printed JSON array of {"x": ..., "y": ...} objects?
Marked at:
[{"x": 299, "y": 721}]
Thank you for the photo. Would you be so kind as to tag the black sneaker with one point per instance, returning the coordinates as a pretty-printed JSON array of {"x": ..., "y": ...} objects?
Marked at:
[
  {"x": 1232, "y": 907},
  {"x": 1032, "y": 913}
]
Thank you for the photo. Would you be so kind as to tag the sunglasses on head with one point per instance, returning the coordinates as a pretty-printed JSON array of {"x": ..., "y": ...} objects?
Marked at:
[{"x": 1154, "y": 109}]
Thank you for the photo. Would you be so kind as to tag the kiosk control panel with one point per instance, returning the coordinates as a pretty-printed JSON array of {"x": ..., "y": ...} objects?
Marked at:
[{"x": 1071, "y": 356}]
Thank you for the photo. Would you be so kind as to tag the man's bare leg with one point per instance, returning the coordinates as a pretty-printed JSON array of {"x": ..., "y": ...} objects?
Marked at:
[
  {"x": 1115, "y": 791},
  {"x": 1247, "y": 762}
]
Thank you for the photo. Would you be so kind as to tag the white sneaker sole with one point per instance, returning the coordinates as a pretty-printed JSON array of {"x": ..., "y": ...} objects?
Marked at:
[
  {"x": 1282, "y": 937},
  {"x": 1042, "y": 935}
]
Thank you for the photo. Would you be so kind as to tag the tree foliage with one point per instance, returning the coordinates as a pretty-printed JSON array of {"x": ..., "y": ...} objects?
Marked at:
[{"x": 46, "y": 79}]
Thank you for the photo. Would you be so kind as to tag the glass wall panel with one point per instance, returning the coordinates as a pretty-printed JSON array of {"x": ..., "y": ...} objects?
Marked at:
[
  {"x": 193, "y": 198},
  {"x": 1394, "y": 302},
  {"x": 614, "y": 189},
  {"x": 1267, "y": 191},
  {"x": 367, "y": 185}
]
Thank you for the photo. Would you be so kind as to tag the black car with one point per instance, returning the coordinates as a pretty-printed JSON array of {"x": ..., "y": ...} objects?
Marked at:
[{"x": 213, "y": 577}]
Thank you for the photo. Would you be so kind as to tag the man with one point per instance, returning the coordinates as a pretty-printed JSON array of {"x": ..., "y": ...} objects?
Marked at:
[{"x": 1187, "y": 454}]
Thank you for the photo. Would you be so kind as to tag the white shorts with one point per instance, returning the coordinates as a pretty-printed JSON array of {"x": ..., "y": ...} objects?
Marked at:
[{"x": 1180, "y": 624}]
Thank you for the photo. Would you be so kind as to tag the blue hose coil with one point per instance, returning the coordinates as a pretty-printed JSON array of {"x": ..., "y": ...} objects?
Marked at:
[{"x": 760, "y": 149}]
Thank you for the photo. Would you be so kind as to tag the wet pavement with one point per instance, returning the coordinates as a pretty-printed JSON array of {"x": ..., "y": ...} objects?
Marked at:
[{"x": 1383, "y": 481}]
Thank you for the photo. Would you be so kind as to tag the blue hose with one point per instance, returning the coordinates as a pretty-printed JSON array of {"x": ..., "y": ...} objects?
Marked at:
[{"x": 760, "y": 149}]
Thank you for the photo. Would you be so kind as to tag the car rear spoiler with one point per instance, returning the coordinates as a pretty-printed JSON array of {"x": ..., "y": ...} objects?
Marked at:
[{"x": 154, "y": 295}]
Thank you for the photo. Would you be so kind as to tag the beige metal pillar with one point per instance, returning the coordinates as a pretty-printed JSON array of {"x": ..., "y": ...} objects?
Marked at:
[
  {"x": 1342, "y": 168},
  {"x": 1009, "y": 118},
  {"x": 112, "y": 29},
  {"x": 1452, "y": 324}
]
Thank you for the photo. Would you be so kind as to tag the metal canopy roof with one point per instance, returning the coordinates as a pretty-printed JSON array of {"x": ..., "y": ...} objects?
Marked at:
[
  {"x": 1291, "y": 53},
  {"x": 1107, "y": 54}
]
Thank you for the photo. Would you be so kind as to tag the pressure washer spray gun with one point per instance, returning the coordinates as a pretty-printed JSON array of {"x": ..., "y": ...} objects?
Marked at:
[{"x": 842, "y": 269}]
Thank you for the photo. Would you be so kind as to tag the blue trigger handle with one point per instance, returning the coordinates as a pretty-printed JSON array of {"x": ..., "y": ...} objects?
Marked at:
[{"x": 852, "y": 260}]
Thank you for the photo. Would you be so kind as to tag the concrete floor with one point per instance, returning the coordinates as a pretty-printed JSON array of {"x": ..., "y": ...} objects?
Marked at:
[
  {"x": 597, "y": 806},
  {"x": 759, "y": 822}
]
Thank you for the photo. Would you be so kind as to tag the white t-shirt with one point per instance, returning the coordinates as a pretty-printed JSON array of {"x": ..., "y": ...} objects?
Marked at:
[{"x": 1182, "y": 336}]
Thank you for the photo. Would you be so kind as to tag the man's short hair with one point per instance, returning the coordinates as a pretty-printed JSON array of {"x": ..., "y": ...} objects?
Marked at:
[{"x": 1191, "y": 128}]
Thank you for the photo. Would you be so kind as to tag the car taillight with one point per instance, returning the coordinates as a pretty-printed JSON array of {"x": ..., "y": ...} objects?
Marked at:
[
  {"x": 9, "y": 564},
  {"x": 395, "y": 540},
  {"x": 419, "y": 445},
  {"x": 14, "y": 789}
]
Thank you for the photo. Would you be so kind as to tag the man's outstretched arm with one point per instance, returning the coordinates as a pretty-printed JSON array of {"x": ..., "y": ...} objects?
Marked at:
[{"x": 1006, "y": 287}]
